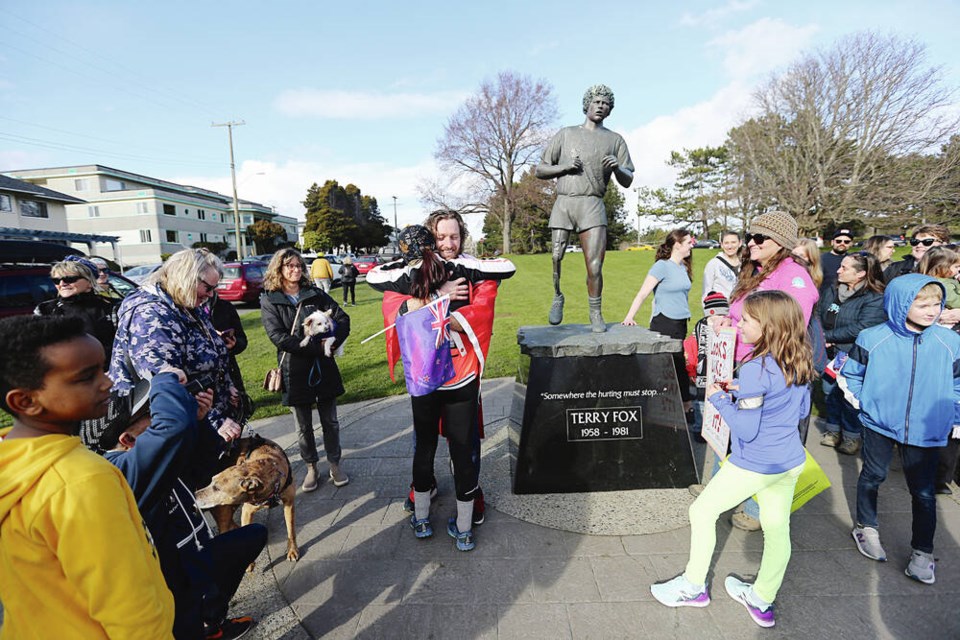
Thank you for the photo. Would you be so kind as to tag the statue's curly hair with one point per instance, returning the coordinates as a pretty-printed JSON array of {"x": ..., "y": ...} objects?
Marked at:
[{"x": 601, "y": 90}]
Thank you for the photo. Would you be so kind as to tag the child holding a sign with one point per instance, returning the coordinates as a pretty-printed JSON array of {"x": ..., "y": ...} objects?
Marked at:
[{"x": 766, "y": 455}]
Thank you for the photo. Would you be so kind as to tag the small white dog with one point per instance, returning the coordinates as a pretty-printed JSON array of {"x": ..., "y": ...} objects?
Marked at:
[{"x": 317, "y": 324}]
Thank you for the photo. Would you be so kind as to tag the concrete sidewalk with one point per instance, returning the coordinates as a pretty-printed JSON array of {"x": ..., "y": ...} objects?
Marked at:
[{"x": 363, "y": 574}]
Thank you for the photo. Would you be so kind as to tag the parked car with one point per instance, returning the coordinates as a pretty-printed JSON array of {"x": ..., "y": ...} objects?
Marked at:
[
  {"x": 365, "y": 263},
  {"x": 335, "y": 263},
  {"x": 706, "y": 243},
  {"x": 139, "y": 274},
  {"x": 24, "y": 286},
  {"x": 242, "y": 281}
]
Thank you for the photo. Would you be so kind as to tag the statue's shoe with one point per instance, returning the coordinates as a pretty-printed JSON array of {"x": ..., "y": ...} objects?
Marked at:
[
  {"x": 556, "y": 310},
  {"x": 597, "y": 325}
]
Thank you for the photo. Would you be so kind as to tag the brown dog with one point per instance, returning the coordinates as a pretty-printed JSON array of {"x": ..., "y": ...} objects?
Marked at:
[{"x": 258, "y": 476}]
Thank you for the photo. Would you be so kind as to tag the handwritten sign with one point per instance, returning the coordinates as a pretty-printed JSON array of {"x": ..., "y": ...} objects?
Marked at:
[{"x": 720, "y": 347}]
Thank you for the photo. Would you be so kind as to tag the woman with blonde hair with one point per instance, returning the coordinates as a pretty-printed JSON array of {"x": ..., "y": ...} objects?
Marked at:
[
  {"x": 163, "y": 322},
  {"x": 310, "y": 376},
  {"x": 807, "y": 251},
  {"x": 78, "y": 296}
]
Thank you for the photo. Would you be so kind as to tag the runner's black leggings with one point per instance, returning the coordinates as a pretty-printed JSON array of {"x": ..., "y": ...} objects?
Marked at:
[{"x": 459, "y": 411}]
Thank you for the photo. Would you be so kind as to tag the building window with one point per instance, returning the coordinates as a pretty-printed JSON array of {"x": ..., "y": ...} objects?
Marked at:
[
  {"x": 142, "y": 207},
  {"x": 109, "y": 184},
  {"x": 203, "y": 237},
  {"x": 33, "y": 209},
  {"x": 169, "y": 210},
  {"x": 81, "y": 184},
  {"x": 6, "y": 203},
  {"x": 171, "y": 235},
  {"x": 93, "y": 212},
  {"x": 247, "y": 220},
  {"x": 186, "y": 212},
  {"x": 201, "y": 214},
  {"x": 145, "y": 236}
]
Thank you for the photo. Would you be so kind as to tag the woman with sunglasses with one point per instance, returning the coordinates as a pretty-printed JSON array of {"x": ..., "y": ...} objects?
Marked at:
[
  {"x": 162, "y": 323},
  {"x": 923, "y": 238},
  {"x": 78, "y": 294},
  {"x": 772, "y": 238},
  {"x": 852, "y": 304}
]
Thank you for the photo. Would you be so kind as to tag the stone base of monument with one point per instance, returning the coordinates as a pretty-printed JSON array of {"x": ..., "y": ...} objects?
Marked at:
[{"x": 597, "y": 412}]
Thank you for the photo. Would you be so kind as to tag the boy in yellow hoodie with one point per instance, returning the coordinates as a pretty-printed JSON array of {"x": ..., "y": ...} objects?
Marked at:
[{"x": 75, "y": 558}]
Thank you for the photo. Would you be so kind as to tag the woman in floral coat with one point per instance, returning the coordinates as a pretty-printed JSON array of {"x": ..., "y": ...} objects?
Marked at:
[{"x": 162, "y": 323}]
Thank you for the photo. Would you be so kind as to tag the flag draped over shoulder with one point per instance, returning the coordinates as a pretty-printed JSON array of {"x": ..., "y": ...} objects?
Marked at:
[{"x": 424, "y": 337}]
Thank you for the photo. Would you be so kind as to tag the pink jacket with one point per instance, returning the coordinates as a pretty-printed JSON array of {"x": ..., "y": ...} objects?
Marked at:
[{"x": 788, "y": 277}]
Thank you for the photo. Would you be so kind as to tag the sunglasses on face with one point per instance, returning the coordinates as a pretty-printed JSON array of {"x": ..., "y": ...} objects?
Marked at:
[
  {"x": 927, "y": 242},
  {"x": 841, "y": 241},
  {"x": 209, "y": 287},
  {"x": 66, "y": 279},
  {"x": 758, "y": 238}
]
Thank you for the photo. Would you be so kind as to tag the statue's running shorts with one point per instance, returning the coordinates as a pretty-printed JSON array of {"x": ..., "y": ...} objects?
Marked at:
[{"x": 578, "y": 213}]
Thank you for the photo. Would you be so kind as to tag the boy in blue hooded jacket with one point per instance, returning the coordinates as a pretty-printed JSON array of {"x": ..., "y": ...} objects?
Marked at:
[{"x": 906, "y": 375}]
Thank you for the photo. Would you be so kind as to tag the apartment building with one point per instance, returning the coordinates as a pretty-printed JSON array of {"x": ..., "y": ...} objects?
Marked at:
[{"x": 150, "y": 216}]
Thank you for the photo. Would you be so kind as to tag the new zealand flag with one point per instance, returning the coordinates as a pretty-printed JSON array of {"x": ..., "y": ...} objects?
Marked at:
[{"x": 425, "y": 347}]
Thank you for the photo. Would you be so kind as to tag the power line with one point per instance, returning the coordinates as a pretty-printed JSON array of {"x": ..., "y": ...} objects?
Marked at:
[
  {"x": 166, "y": 92},
  {"x": 48, "y": 144}
]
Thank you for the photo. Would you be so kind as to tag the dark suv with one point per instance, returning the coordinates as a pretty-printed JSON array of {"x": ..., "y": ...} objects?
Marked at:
[{"x": 242, "y": 281}]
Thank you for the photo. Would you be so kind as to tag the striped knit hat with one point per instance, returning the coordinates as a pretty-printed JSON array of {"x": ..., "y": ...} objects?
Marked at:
[{"x": 716, "y": 304}]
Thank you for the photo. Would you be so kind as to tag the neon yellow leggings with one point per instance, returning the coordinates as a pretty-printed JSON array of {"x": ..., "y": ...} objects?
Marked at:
[{"x": 731, "y": 486}]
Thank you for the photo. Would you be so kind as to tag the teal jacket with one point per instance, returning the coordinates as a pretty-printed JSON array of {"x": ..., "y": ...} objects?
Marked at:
[{"x": 908, "y": 383}]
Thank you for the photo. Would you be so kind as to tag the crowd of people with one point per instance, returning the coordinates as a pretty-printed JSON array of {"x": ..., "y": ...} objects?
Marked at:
[{"x": 152, "y": 386}]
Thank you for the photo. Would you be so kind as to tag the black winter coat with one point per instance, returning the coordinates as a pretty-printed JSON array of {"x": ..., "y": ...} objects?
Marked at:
[
  {"x": 99, "y": 315},
  {"x": 303, "y": 383},
  {"x": 861, "y": 310},
  {"x": 907, "y": 265},
  {"x": 349, "y": 273},
  {"x": 223, "y": 316}
]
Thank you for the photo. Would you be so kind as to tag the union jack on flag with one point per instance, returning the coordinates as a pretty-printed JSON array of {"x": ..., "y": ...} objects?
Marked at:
[
  {"x": 441, "y": 320},
  {"x": 424, "y": 337}
]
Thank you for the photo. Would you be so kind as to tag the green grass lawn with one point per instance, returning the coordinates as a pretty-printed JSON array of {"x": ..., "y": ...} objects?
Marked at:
[{"x": 523, "y": 300}]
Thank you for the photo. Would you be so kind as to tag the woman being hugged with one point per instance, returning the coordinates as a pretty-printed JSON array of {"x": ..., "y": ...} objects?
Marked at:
[
  {"x": 766, "y": 454},
  {"x": 309, "y": 375},
  {"x": 669, "y": 280}
]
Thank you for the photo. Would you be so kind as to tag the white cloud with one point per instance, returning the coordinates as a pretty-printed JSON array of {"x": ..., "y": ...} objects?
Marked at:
[
  {"x": 363, "y": 105},
  {"x": 712, "y": 16},
  {"x": 761, "y": 46}
]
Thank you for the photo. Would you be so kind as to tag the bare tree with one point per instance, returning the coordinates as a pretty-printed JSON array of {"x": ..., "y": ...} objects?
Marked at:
[
  {"x": 839, "y": 133},
  {"x": 490, "y": 139}
]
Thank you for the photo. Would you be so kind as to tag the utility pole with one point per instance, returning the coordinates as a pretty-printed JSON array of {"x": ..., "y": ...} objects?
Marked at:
[
  {"x": 396, "y": 229},
  {"x": 637, "y": 191},
  {"x": 241, "y": 245}
]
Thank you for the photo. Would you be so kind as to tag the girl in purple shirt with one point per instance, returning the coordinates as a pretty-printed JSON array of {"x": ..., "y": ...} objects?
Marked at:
[{"x": 766, "y": 454}]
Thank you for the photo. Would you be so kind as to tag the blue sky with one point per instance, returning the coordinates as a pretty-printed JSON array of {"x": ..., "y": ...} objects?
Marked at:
[{"x": 359, "y": 92}]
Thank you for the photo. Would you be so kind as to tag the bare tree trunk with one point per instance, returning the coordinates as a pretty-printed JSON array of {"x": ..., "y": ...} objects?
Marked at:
[{"x": 506, "y": 224}]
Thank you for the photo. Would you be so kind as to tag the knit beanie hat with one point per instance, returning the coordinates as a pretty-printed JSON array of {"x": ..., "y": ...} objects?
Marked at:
[
  {"x": 716, "y": 304},
  {"x": 413, "y": 240},
  {"x": 778, "y": 225}
]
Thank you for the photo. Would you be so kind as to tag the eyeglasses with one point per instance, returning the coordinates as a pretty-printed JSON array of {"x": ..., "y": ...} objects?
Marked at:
[
  {"x": 842, "y": 241},
  {"x": 66, "y": 279},
  {"x": 209, "y": 287},
  {"x": 927, "y": 242},
  {"x": 296, "y": 266},
  {"x": 103, "y": 271},
  {"x": 758, "y": 238}
]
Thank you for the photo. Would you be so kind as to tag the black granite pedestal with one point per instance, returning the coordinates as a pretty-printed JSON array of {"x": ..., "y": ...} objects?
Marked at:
[{"x": 598, "y": 412}]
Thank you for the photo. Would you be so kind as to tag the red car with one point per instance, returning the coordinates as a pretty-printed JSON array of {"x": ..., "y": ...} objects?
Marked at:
[
  {"x": 242, "y": 281},
  {"x": 365, "y": 263}
]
